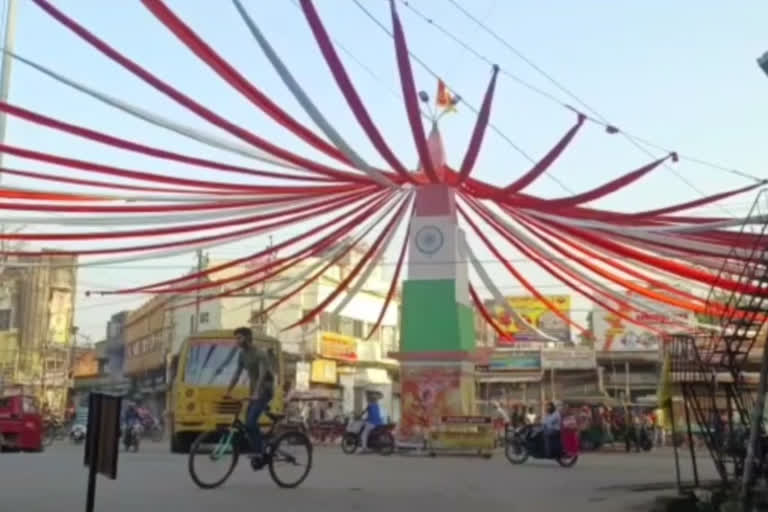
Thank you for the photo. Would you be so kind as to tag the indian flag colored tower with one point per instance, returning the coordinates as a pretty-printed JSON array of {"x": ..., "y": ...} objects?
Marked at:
[
  {"x": 436, "y": 312},
  {"x": 437, "y": 334}
]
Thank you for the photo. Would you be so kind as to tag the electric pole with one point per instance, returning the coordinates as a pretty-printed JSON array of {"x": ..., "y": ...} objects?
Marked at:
[
  {"x": 200, "y": 264},
  {"x": 260, "y": 322},
  {"x": 5, "y": 65},
  {"x": 5, "y": 85}
]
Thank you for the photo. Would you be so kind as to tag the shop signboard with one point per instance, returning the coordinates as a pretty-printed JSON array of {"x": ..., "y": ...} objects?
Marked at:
[
  {"x": 323, "y": 371},
  {"x": 614, "y": 333},
  {"x": 536, "y": 313},
  {"x": 568, "y": 359},
  {"x": 513, "y": 360},
  {"x": 336, "y": 346}
]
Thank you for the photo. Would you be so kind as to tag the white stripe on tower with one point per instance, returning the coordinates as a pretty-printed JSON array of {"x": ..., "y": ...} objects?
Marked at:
[{"x": 435, "y": 252}]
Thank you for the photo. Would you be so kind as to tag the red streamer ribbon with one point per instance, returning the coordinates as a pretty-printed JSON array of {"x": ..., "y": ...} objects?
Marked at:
[
  {"x": 227, "y": 72},
  {"x": 544, "y": 164},
  {"x": 194, "y": 106},
  {"x": 349, "y": 92},
  {"x": 393, "y": 283},
  {"x": 607, "y": 188},
  {"x": 478, "y": 134},
  {"x": 239, "y": 277},
  {"x": 410, "y": 96},
  {"x": 517, "y": 275},
  {"x": 392, "y": 224},
  {"x": 487, "y": 315},
  {"x": 127, "y": 145}
]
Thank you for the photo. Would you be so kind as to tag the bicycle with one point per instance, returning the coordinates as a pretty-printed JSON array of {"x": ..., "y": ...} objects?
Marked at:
[{"x": 215, "y": 445}]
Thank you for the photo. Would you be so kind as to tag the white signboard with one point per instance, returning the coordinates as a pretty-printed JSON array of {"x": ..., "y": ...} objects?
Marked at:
[
  {"x": 568, "y": 359},
  {"x": 615, "y": 334},
  {"x": 302, "y": 376}
]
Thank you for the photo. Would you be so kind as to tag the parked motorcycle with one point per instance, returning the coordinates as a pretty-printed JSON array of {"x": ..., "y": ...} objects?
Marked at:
[
  {"x": 132, "y": 437},
  {"x": 78, "y": 433},
  {"x": 380, "y": 440},
  {"x": 528, "y": 442}
]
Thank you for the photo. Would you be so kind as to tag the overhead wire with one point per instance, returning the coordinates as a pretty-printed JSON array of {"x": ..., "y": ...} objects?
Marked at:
[{"x": 598, "y": 117}]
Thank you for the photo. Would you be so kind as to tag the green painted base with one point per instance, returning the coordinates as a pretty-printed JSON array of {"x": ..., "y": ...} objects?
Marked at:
[{"x": 432, "y": 320}]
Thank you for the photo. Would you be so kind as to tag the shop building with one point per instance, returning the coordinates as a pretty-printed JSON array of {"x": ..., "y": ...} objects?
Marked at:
[
  {"x": 147, "y": 336},
  {"x": 37, "y": 303},
  {"x": 533, "y": 377}
]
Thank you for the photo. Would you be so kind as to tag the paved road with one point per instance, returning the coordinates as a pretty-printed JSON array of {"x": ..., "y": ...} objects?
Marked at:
[{"x": 156, "y": 480}]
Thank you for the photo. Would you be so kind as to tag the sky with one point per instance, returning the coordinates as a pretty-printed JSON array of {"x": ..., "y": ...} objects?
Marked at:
[{"x": 681, "y": 74}]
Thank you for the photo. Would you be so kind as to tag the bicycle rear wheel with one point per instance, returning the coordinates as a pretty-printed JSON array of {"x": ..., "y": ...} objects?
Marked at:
[
  {"x": 213, "y": 453},
  {"x": 290, "y": 459}
]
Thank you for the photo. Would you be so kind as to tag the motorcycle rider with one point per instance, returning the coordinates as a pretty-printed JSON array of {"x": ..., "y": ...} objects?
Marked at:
[
  {"x": 130, "y": 418},
  {"x": 373, "y": 418},
  {"x": 261, "y": 376},
  {"x": 551, "y": 423}
]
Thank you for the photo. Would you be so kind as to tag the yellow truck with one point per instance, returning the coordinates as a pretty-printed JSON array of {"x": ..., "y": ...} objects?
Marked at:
[{"x": 197, "y": 403}]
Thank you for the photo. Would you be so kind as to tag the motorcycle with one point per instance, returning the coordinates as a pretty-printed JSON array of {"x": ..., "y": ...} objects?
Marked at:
[
  {"x": 54, "y": 429},
  {"x": 380, "y": 439},
  {"x": 132, "y": 436},
  {"x": 77, "y": 433},
  {"x": 152, "y": 428},
  {"x": 640, "y": 437},
  {"x": 528, "y": 442}
]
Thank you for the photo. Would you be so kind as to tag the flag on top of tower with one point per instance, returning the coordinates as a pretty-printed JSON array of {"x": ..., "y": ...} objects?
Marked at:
[{"x": 445, "y": 99}]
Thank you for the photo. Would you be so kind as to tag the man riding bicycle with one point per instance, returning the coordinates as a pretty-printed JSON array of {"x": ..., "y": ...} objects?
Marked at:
[{"x": 258, "y": 367}]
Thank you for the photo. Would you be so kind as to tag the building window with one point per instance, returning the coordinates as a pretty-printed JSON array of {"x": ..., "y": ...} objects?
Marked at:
[
  {"x": 388, "y": 341},
  {"x": 346, "y": 326},
  {"x": 204, "y": 317},
  {"x": 329, "y": 322},
  {"x": 5, "y": 319},
  {"x": 357, "y": 328}
]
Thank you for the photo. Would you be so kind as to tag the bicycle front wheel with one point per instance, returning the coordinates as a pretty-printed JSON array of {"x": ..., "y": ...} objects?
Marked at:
[
  {"x": 290, "y": 459},
  {"x": 213, "y": 457}
]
